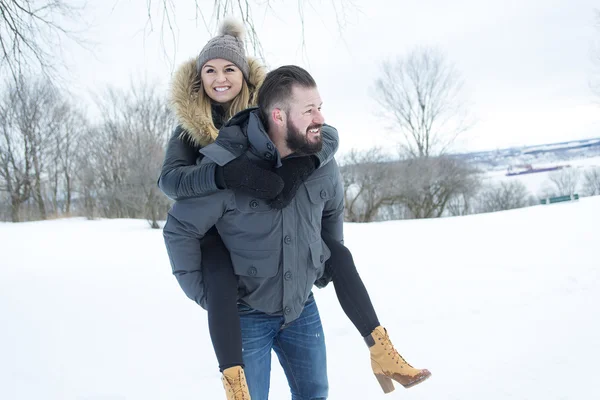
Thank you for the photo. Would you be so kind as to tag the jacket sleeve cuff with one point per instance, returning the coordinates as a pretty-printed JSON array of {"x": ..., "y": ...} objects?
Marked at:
[
  {"x": 208, "y": 182},
  {"x": 218, "y": 154},
  {"x": 330, "y": 145}
]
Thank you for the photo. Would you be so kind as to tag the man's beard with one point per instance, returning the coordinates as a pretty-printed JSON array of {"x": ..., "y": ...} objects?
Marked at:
[{"x": 298, "y": 142}]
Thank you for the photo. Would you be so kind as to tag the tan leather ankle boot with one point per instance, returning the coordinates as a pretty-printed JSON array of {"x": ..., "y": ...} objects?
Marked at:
[
  {"x": 234, "y": 382},
  {"x": 388, "y": 364}
]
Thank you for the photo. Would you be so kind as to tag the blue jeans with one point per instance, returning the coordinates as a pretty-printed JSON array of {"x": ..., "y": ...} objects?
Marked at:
[{"x": 300, "y": 347}]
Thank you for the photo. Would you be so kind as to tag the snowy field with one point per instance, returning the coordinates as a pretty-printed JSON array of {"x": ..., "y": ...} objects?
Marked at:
[{"x": 497, "y": 306}]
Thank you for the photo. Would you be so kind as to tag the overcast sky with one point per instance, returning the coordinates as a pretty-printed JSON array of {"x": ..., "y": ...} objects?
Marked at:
[{"x": 526, "y": 63}]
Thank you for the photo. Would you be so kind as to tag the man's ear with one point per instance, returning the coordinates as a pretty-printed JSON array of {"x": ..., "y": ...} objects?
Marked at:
[{"x": 278, "y": 117}]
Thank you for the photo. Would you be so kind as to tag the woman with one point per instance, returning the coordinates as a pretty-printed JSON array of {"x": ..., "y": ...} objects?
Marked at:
[{"x": 206, "y": 92}]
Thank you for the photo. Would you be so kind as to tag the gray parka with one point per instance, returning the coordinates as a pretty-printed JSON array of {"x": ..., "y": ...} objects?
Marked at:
[{"x": 278, "y": 255}]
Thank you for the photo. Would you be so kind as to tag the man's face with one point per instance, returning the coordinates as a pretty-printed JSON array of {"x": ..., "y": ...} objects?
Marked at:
[{"x": 304, "y": 121}]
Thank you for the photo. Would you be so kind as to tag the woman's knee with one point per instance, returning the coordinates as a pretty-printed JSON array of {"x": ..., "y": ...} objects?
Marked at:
[
  {"x": 217, "y": 269},
  {"x": 340, "y": 259},
  {"x": 214, "y": 253}
]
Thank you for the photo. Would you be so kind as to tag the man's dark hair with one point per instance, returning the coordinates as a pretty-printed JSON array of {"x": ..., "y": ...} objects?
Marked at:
[{"x": 277, "y": 88}]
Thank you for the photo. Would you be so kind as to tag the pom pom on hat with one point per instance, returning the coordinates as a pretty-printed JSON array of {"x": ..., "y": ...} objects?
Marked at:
[{"x": 232, "y": 27}]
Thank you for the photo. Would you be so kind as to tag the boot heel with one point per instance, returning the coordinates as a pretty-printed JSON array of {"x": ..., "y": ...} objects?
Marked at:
[{"x": 386, "y": 383}]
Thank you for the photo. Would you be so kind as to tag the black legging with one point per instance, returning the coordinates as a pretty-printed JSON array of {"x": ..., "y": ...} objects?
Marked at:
[
  {"x": 349, "y": 288},
  {"x": 221, "y": 285},
  {"x": 221, "y": 293}
]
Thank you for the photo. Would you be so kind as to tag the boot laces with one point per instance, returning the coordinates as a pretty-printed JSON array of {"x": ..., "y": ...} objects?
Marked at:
[
  {"x": 389, "y": 347},
  {"x": 237, "y": 386}
]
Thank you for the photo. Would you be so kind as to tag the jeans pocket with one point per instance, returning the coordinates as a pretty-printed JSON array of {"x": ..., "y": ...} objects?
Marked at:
[{"x": 244, "y": 309}]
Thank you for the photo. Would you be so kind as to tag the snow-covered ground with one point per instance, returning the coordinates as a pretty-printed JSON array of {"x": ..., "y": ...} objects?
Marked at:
[{"x": 498, "y": 306}]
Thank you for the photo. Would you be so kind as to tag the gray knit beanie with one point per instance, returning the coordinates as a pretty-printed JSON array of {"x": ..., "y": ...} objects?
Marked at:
[{"x": 228, "y": 45}]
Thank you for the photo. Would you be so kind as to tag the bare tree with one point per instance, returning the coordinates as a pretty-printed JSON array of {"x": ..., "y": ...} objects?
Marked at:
[
  {"x": 565, "y": 182},
  {"x": 148, "y": 127},
  {"x": 428, "y": 184},
  {"x": 368, "y": 184},
  {"x": 591, "y": 182},
  {"x": 70, "y": 146},
  {"x": 15, "y": 157},
  {"x": 31, "y": 32},
  {"x": 464, "y": 201},
  {"x": 39, "y": 111},
  {"x": 64, "y": 143},
  {"x": 377, "y": 187},
  {"x": 4, "y": 206},
  {"x": 124, "y": 152},
  {"x": 32, "y": 110},
  {"x": 107, "y": 147},
  {"x": 420, "y": 96},
  {"x": 504, "y": 196},
  {"x": 85, "y": 175}
]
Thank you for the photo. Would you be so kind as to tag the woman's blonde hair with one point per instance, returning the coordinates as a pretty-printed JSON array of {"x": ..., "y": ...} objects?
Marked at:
[{"x": 244, "y": 99}]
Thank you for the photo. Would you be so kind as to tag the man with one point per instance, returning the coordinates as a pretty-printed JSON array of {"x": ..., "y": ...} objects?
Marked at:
[{"x": 277, "y": 254}]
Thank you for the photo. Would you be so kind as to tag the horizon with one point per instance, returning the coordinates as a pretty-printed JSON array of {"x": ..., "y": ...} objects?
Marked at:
[{"x": 531, "y": 145}]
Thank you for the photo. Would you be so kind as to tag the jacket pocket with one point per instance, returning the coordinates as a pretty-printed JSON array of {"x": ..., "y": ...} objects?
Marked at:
[
  {"x": 248, "y": 204},
  {"x": 320, "y": 189},
  {"x": 319, "y": 253},
  {"x": 255, "y": 263}
]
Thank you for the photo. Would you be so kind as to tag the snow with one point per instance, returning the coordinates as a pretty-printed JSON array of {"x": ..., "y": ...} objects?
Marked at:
[{"x": 497, "y": 306}]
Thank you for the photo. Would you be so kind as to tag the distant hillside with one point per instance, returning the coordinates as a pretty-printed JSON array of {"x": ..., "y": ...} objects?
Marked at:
[{"x": 538, "y": 155}]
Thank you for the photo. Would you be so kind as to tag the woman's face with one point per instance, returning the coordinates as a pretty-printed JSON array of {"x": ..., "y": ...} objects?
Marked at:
[{"x": 221, "y": 79}]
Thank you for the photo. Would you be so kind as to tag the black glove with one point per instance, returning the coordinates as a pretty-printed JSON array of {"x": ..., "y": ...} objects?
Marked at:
[
  {"x": 294, "y": 172},
  {"x": 243, "y": 175}
]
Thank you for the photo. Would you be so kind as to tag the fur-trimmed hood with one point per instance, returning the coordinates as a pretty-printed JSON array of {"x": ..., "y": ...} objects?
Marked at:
[{"x": 184, "y": 100}]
